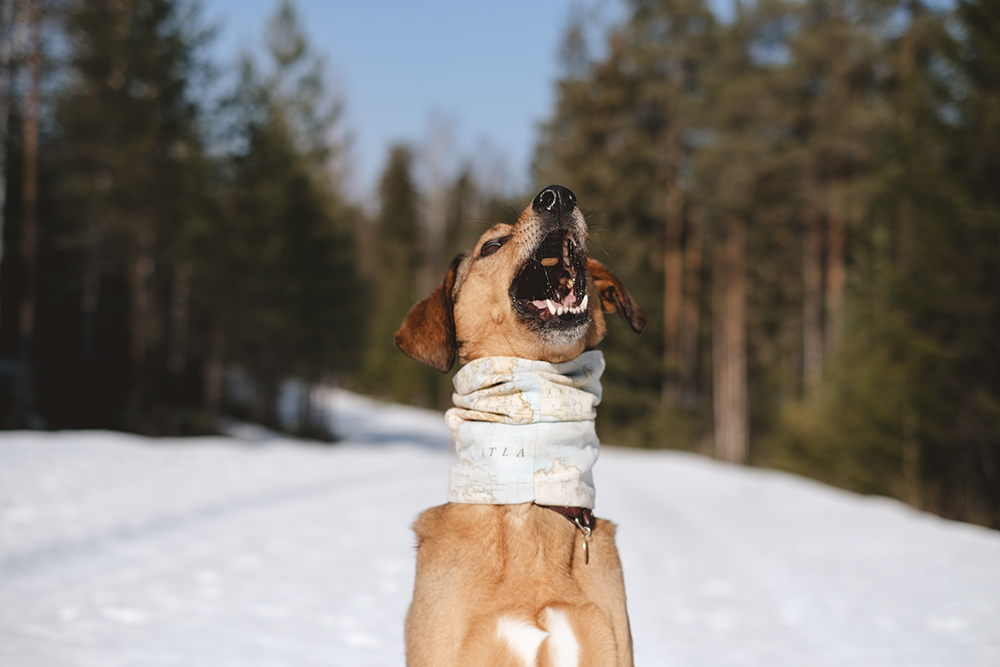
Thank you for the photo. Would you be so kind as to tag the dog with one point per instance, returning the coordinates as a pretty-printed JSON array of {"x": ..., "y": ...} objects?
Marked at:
[{"x": 502, "y": 581}]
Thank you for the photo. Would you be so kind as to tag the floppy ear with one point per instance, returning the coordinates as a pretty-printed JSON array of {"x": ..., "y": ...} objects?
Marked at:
[
  {"x": 614, "y": 297},
  {"x": 428, "y": 331}
]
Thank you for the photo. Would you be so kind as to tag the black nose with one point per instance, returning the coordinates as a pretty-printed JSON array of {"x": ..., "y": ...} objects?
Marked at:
[{"x": 554, "y": 197}]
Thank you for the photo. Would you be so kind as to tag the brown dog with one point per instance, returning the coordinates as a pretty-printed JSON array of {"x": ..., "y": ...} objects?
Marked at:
[{"x": 517, "y": 584}]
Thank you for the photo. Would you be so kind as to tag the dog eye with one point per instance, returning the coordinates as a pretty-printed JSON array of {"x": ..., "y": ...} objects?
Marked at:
[{"x": 491, "y": 247}]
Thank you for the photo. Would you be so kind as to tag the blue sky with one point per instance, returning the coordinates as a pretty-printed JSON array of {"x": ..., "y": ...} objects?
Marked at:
[{"x": 486, "y": 68}]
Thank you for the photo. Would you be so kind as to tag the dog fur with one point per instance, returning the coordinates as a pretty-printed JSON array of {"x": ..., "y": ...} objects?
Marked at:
[{"x": 508, "y": 585}]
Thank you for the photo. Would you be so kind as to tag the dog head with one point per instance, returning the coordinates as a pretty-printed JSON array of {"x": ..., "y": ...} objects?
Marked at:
[{"x": 527, "y": 290}]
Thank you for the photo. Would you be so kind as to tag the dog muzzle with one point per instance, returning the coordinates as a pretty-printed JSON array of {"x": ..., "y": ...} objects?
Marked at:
[{"x": 524, "y": 431}]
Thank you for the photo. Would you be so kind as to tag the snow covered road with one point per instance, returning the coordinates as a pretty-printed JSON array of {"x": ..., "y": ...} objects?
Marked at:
[{"x": 259, "y": 551}]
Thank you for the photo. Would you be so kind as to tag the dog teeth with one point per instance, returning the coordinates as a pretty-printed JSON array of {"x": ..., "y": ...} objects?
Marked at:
[{"x": 556, "y": 309}]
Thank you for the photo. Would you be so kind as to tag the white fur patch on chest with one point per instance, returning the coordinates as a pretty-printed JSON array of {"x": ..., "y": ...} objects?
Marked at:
[
  {"x": 564, "y": 650},
  {"x": 524, "y": 639}
]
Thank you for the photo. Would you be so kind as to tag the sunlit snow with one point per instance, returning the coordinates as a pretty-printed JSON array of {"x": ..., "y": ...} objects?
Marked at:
[{"x": 256, "y": 550}]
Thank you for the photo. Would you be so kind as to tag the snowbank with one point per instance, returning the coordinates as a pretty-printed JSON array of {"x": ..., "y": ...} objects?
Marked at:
[{"x": 256, "y": 550}]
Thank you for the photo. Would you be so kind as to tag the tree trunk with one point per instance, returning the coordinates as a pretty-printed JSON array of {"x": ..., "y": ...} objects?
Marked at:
[
  {"x": 303, "y": 417},
  {"x": 29, "y": 223},
  {"x": 812, "y": 298},
  {"x": 142, "y": 266},
  {"x": 11, "y": 32},
  {"x": 907, "y": 123},
  {"x": 310, "y": 414},
  {"x": 729, "y": 345},
  {"x": 264, "y": 409},
  {"x": 837, "y": 205},
  {"x": 691, "y": 311},
  {"x": 836, "y": 275},
  {"x": 912, "y": 477},
  {"x": 90, "y": 294},
  {"x": 25, "y": 386},
  {"x": 673, "y": 274},
  {"x": 912, "y": 451},
  {"x": 180, "y": 300},
  {"x": 213, "y": 370}
]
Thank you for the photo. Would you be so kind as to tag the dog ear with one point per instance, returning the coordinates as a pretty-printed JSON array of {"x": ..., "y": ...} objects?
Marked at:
[
  {"x": 614, "y": 297},
  {"x": 428, "y": 331}
]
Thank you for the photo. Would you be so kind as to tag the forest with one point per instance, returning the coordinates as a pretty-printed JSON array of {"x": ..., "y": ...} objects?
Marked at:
[{"x": 804, "y": 197}]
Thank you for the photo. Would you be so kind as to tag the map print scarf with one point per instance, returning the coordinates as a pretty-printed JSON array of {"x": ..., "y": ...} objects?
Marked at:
[{"x": 524, "y": 431}]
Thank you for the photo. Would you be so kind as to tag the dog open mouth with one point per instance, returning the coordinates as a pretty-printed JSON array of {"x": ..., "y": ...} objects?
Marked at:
[{"x": 551, "y": 287}]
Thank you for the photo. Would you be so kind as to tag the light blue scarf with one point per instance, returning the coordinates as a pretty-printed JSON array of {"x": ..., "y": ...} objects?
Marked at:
[{"x": 524, "y": 431}]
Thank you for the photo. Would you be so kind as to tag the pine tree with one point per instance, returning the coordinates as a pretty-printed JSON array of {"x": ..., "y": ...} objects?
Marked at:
[
  {"x": 670, "y": 43},
  {"x": 126, "y": 143},
  {"x": 911, "y": 402},
  {"x": 834, "y": 56},
  {"x": 8, "y": 57},
  {"x": 401, "y": 253},
  {"x": 25, "y": 392},
  {"x": 740, "y": 107},
  {"x": 947, "y": 296},
  {"x": 623, "y": 138},
  {"x": 285, "y": 296}
]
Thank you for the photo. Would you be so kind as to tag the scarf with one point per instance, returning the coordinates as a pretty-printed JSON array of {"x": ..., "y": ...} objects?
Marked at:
[{"x": 524, "y": 431}]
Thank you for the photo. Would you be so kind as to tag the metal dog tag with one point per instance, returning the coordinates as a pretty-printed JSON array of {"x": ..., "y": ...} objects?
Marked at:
[{"x": 587, "y": 532}]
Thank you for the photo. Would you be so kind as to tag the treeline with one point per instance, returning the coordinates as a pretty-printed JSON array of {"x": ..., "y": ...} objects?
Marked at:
[
  {"x": 166, "y": 232},
  {"x": 807, "y": 201},
  {"x": 178, "y": 242},
  {"x": 804, "y": 199}
]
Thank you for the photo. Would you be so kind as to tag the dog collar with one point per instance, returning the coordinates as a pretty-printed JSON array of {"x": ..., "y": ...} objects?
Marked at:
[{"x": 524, "y": 431}]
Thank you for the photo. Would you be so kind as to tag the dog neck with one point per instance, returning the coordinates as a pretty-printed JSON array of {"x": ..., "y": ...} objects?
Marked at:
[{"x": 524, "y": 431}]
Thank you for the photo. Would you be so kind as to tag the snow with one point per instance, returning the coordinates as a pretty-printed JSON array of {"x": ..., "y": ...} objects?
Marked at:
[{"x": 258, "y": 550}]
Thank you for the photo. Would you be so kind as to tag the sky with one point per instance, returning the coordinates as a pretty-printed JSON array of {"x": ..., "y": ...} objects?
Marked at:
[
  {"x": 486, "y": 72},
  {"x": 404, "y": 70}
]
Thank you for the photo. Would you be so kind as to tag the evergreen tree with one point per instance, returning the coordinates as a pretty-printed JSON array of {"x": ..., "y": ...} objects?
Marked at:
[
  {"x": 910, "y": 408},
  {"x": 670, "y": 43},
  {"x": 284, "y": 294},
  {"x": 400, "y": 253},
  {"x": 736, "y": 107},
  {"x": 623, "y": 136},
  {"x": 824, "y": 153},
  {"x": 125, "y": 147}
]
